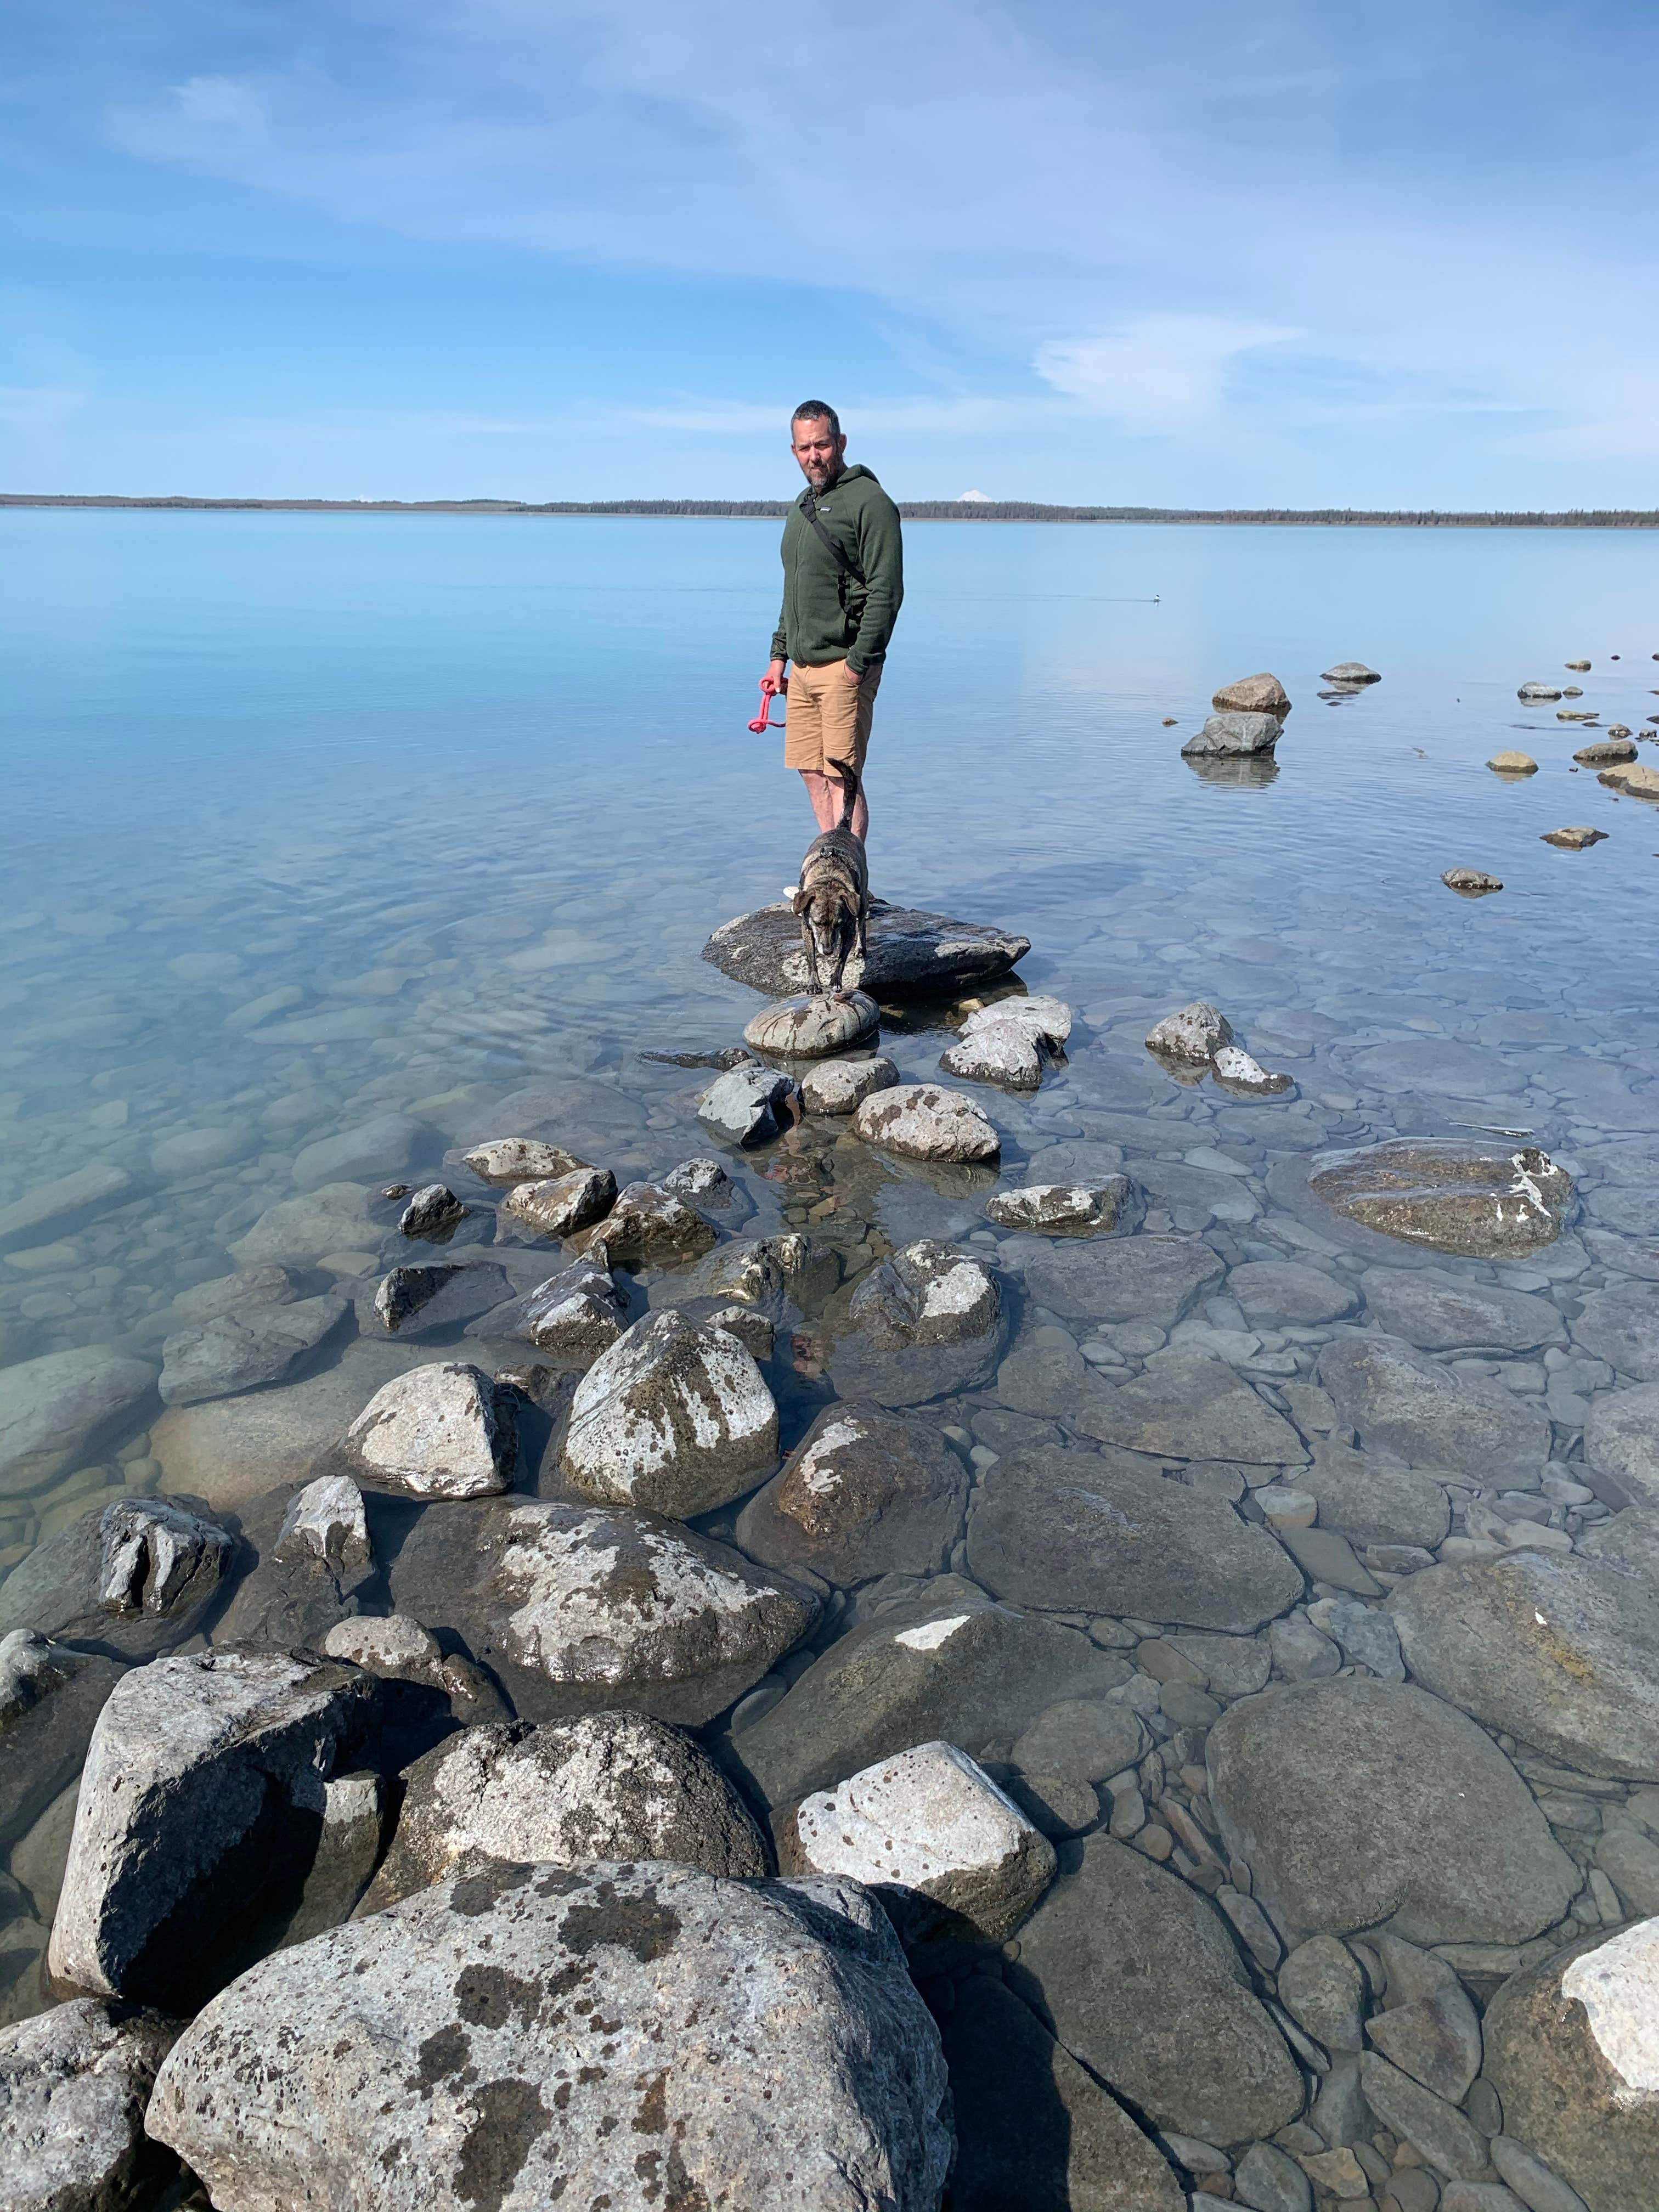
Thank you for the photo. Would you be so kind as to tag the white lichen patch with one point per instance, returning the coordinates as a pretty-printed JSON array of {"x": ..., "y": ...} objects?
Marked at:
[
  {"x": 1618, "y": 1985},
  {"x": 810, "y": 1466},
  {"x": 957, "y": 1291},
  {"x": 931, "y": 1633}
]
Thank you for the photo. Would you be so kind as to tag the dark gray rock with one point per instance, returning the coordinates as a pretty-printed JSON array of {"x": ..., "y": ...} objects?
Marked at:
[
  {"x": 575, "y": 1314},
  {"x": 432, "y": 1211},
  {"x": 1447, "y": 2141},
  {"x": 1187, "y": 1407},
  {"x": 1322, "y": 1986},
  {"x": 649, "y": 1227},
  {"x": 925, "y": 1323},
  {"x": 137, "y": 1575},
  {"x": 203, "y": 1784},
  {"x": 311, "y": 1555},
  {"x": 1430, "y": 2029},
  {"x": 74, "y": 2084},
  {"x": 1621, "y": 1326},
  {"x": 864, "y": 1493},
  {"x": 1081, "y": 1740},
  {"x": 484, "y": 2081},
  {"x": 1560, "y": 1651},
  {"x": 778, "y": 1276},
  {"x": 607, "y": 1786},
  {"x": 432, "y": 1297},
  {"x": 1153, "y": 1278},
  {"x": 1621, "y": 1445},
  {"x": 245, "y": 1349},
  {"x": 55, "y": 1411},
  {"x": 1456, "y": 1850},
  {"x": 1373, "y": 1500},
  {"x": 1401, "y": 1401},
  {"x": 1448, "y": 1195},
  {"x": 578, "y": 1609},
  {"x": 50, "y": 1699},
  {"x": 750, "y": 1106},
  {"x": 1085, "y": 1532},
  {"x": 1276, "y": 1291},
  {"x": 1140, "y": 1977},
  {"x": 1440, "y": 1313},
  {"x": 1235, "y": 733},
  {"x": 911, "y": 952},
  {"x": 581, "y": 1114}
]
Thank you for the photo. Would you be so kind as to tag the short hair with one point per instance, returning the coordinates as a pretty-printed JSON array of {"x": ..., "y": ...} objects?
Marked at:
[{"x": 814, "y": 411}]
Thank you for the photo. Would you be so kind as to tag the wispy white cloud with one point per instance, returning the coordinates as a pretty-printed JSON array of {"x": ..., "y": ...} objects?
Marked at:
[{"x": 1160, "y": 373}]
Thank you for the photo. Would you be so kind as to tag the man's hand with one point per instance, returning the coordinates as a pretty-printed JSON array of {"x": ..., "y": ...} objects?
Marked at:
[
  {"x": 849, "y": 675},
  {"x": 772, "y": 683}
]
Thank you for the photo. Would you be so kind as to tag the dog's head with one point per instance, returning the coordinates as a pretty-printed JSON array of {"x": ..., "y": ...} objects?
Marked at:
[{"x": 828, "y": 912}]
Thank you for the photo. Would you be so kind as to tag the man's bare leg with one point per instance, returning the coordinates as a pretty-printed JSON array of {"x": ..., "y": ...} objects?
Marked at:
[{"x": 827, "y": 795}]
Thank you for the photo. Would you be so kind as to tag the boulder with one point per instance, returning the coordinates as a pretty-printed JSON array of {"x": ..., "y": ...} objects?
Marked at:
[
  {"x": 1473, "y": 882},
  {"x": 1560, "y": 1651},
  {"x": 1529, "y": 693},
  {"x": 520, "y": 1159},
  {"x": 74, "y": 2083},
  {"x": 1448, "y": 1195},
  {"x": 1151, "y": 1278},
  {"x": 608, "y": 1786},
  {"x": 910, "y": 952},
  {"x": 575, "y": 1314},
  {"x": 1009, "y": 1042},
  {"x": 1140, "y": 1977},
  {"x": 750, "y": 1105},
  {"x": 952, "y": 1665},
  {"x": 1084, "y": 1531},
  {"x": 1373, "y": 1500},
  {"x": 136, "y": 1576},
  {"x": 1573, "y": 2049},
  {"x": 1351, "y": 671},
  {"x": 432, "y": 1212},
  {"x": 1194, "y": 1034},
  {"x": 1429, "y": 2028},
  {"x": 1322, "y": 1987},
  {"x": 577, "y": 1609},
  {"x": 1455, "y": 1849},
  {"x": 1629, "y": 1539},
  {"x": 1275, "y": 1292},
  {"x": 1113, "y": 1206},
  {"x": 1576, "y": 837},
  {"x": 313, "y": 1556},
  {"x": 864, "y": 1493},
  {"x": 1443, "y": 1313},
  {"x": 50, "y": 1698},
  {"x": 925, "y": 1322},
  {"x": 762, "y": 2030},
  {"x": 1401, "y": 1401},
  {"x": 560, "y": 1205},
  {"x": 388, "y": 1145},
  {"x": 1233, "y": 733},
  {"x": 1621, "y": 1326},
  {"x": 840, "y": 1086},
  {"x": 649, "y": 1227},
  {"x": 926, "y": 1122},
  {"x": 1187, "y": 1407},
  {"x": 52, "y": 1210},
  {"x": 1513, "y": 763},
  {"x": 1621, "y": 1445},
  {"x": 1234, "y": 1071},
  {"x": 1036, "y": 2132},
  {"x": 1641, "y": 782},
  {"x": 55, "y": 1411},
  {"x": 813, "y": 1028},
  {"x": 297, "y": 1232},
  {"x": 675, "y": 1418},
  {"x": 432, "y": 1297},
  {"x": 930, "y": 1832},
  {"x": 245, "y": 1349},
  {"x": 777, "y": 1275},
  {"x": 202, "y": 1788},
  {"x": 442, "y": 1430},
  {"x": 1253, "y": 695}
]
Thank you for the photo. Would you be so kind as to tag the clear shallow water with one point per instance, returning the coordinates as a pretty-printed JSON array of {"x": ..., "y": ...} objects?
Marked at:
[{"x": 472, "y": 793}]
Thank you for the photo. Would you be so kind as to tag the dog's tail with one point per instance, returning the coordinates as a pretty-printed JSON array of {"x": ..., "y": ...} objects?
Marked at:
[{"x": 849, "y": 784}]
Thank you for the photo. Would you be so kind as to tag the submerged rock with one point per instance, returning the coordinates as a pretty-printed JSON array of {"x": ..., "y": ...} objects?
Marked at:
[
  {"x": 926, "y": 1121},
  {"x": 1151, "y": 1278},
  {"x": 1456, "y": 1850},
  {"x": 485, "y": 2082},
  {"x": 864, "y": 1493},
  {"x": 608, "y": 1786},
  {"x": 51, "y": 1210},
  {"x": 777, "y": 1275},
  {"x": 443, "y": 1431},
  {"x": 563, "y": 1204},
  {"x": 1441, "y": 1312},
  {"x": 1621, "y": 1326},
  {"x": 1188, "y": 1407},
  {"x": 578, "y": 1609},
  {"x": 1240, "y": 732},
  {"x": 245, "y": 1349},
  {"x": 1194, "y": 1034},
  {"x": 925, "y": 1322},
  {"x": 252, "y": 1286},
  {"x": 910, "y": 952},
  {"x": 1482, "y": 1202},
  {"x": 840, "y": 1086},
  {"x": 1113, "y": 1206},
  {"x": 1621, "y": 1446},
  {"x": 55, "y": 1410},
  {"x": 74, "y": 2083},
  {"x": 137, "y": 1576},
  {"x": 50, "y": 1698},
  {"x": 1374, "y": 1501},
  {"x": 812, "y": 1028},
  {"x": 674, "y": 1418},
  {"x": 297, "y": 1232},
  {"x": 1399, "y": 1399},
  {"x": 1276, "y": 1291},
  {"x": 931, "y": 1831}
]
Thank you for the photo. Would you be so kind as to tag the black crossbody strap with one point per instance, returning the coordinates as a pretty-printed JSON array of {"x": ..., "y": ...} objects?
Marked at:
[{"x": 809, "y": 507}]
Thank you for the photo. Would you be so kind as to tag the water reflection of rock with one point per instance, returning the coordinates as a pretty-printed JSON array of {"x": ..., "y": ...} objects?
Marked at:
[{"x": 1234, "y": 771}]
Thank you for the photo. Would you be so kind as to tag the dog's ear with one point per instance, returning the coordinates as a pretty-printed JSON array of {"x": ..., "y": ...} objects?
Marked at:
[{"x": 800, "y": 900}]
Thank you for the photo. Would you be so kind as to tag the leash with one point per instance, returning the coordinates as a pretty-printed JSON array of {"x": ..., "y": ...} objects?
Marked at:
[{"x": 761, "y": 722}]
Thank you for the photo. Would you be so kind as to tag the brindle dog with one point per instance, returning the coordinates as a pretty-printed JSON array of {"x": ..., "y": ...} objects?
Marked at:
[{"x": 834, "y": 898}]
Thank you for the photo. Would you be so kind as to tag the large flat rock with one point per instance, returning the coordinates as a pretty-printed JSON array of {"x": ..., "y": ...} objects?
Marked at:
[
  {"x": 1399, "y": 1399},
  {"x": 1153, "y": 1278},
  {"x": 1187, "y": 1407},
  {"x": 54, "y": 1410},
  {"x": 911, "y": 952}
]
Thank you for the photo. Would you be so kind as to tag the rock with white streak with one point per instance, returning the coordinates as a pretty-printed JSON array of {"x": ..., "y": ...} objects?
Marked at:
[
  {"x": 1112, "y": 1206},
  {"x": 840, "y": 1086},
  {"x": 1483, "y": 1202},
  {"x": 750, "y": 1106},
  {"x": 933, "y": 1833},
  {"x": 560, "y": 1205},
  {"x": 578, "y": 1609},
  {"x": 760, "y": 2037},
  {"x": 926, "y": 1121},
  {"x": 675, "y": 1418},
  {"x": 575, "y": 1314},
  {"x": 865, "y": 1493},
  {"x": 326, "y": 1523},
  {"x": 520, "y": 1159},
  {"x": 138, "y": 1576},
  {"x": 927, "y": 1322},
  {"x": 649, "y": 1227},
  {"x": 74, "y": 2083},
  {"x": 444, "y": 1430},
  {"x": 202, "y": 1788},
  {"x": 1193, "y": 1034},
  {"x": 1234, "y": 1070},
  {"x": 607, "y": 1786}
]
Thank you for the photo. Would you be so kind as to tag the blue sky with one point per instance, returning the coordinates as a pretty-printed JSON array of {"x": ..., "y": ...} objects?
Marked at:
[{"x": 1367, "y": 252}]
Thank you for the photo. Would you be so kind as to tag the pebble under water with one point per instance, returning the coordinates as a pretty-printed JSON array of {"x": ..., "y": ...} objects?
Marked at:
[{"x": 1327, "y": 1722}]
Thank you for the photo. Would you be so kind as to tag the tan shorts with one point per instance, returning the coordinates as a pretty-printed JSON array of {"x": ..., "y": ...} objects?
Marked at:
[{"x": 827, "y": 720}]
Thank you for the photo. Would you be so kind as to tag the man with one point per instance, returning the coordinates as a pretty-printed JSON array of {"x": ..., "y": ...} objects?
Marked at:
[{"x": 843, "y": 578}]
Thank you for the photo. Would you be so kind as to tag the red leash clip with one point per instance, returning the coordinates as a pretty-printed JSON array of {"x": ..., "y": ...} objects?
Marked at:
[{"x": 761, "y": 722}]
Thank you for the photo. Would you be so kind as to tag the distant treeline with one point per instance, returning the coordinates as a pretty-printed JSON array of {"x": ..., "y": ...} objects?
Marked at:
[{"x": 913, "y": 510}]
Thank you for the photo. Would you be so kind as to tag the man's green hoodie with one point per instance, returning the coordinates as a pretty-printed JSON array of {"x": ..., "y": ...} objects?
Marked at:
[{"x": 828, "y": 615}]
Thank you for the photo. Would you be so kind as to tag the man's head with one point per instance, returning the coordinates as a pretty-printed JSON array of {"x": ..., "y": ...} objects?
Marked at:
[{"x": 816, "y": 443}]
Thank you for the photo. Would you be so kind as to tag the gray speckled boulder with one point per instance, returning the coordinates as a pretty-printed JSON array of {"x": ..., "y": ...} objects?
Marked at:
[
  {"x": 608, "y": 1786},
  {"x": 74, "y": 2083},
  {"x": 864, "y": 1493},
  {"x": 749, "y": 1106},
  {"x": 649, "y": 1227},
  {"x": 442, "y": 1430},
  {"x": 442, "y": 2054},
  {"x": 1112, "y": 1207},
  {"x": 1621, "y": 1326},
  {"x": 926, "y": 1121},
  {"x": 925, "y": 1322}
]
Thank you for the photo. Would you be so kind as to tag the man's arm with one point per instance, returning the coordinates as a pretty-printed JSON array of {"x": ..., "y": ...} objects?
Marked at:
[{"x": 881, "y": 557}]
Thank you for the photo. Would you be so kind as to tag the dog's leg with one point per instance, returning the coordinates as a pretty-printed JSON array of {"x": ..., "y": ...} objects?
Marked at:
[{"x": 814, "y": 982}]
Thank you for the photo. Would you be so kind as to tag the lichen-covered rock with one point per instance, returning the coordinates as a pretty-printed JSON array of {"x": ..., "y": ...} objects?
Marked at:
[
  {"x": 1112, "y": 1207},
  {"x": 675, "y": 1418},
  {"x": 812, "y": 1028},
  {"x": 1010, "y": 1041},
  {"x": 1450, "y": 1195},
  {"x": 1194, "y": 1034},
  {"x": 520, "y": 1159},
  {"x": 203, "y": 1775},
  {"x": 840, "y": 1086},
  {"x": 574, "y": 1315},
  {"x": 325, "y": 1521},
  {"x": 607, "y": 1786},
  {"x": 74, "y": 2083},
  {"x": 1234, "y": 1071},
  {"x": 910, "y": 952},
  {"x": 750, "y": 1105},
  {"x": 865, "y": 1493},
  {"x": 928, "y": 1321},
  {"x": 136, "y": 1576},
  {"x": 443, "y": 1431},
  {"x": 649, "y": 1227},
  {"x": 930, "y": 1830},
  {"x": 245, "y": 1349},
  {"x": 926, "y": 1121},
  {"x": 562, "y": 1204},
  {"x": 442, "y": 2053}
]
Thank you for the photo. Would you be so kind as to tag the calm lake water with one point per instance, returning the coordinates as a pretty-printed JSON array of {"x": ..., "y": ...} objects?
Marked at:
[{"x": 311, "y": 821}]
